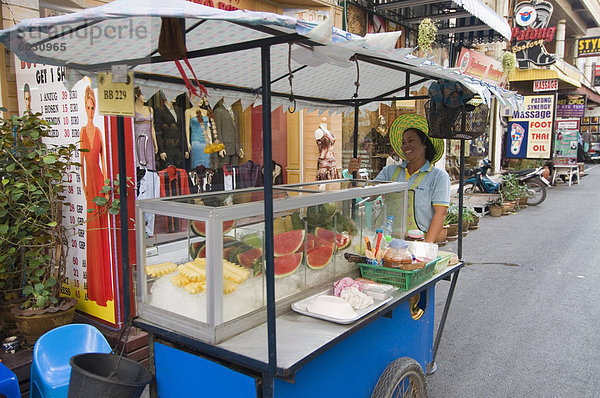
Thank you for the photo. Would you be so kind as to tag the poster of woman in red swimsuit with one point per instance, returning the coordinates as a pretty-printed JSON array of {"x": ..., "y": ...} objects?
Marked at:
[{"x": 93, "y": 173}]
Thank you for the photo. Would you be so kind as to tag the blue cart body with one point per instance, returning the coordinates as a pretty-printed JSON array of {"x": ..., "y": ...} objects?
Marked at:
[{"x": 350, "y": 368}]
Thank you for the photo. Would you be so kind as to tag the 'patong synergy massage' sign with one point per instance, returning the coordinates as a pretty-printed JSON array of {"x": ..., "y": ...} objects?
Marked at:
[{"x": 530, "y": 130}]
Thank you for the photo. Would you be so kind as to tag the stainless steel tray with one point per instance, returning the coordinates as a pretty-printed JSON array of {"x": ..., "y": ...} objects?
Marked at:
[{"x": 379, "y": 299}]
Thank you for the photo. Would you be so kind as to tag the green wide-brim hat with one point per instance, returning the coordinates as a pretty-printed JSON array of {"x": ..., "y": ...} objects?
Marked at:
[{"x": 413, "y": 121}]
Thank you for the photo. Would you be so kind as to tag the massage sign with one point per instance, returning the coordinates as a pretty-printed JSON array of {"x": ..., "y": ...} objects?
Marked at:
[
  {"x": 530, "y": 129},
  {"x": 530, "y": 33}
]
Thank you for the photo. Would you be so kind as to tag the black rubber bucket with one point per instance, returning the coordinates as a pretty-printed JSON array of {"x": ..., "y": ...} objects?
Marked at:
[{"x": 91, "y": 377}]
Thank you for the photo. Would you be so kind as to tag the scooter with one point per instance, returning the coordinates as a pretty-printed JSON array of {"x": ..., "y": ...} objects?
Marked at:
[{"x": 532, "y": 178}]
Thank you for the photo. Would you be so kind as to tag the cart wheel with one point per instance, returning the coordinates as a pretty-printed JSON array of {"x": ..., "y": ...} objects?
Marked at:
[{"x": 402, "y": 378}]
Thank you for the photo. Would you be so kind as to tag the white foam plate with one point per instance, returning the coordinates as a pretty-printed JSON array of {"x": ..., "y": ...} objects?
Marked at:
[{"x": 379, "y": 299}]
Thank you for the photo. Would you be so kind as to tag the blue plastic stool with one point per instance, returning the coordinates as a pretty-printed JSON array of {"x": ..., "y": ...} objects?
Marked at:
[
  {"x": 50, "y": 369},
  {"x": 9, "y": 385}
]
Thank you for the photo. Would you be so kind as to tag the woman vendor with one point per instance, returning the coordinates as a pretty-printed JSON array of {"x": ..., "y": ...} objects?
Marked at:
[{"x": 429, "y": 187}]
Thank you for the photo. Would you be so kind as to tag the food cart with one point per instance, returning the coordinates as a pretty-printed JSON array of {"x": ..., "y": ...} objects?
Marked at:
[{"x": 271, "y": 348}]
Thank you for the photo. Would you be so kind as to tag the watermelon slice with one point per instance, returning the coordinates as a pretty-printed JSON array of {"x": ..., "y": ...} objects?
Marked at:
[
  {"x": 248, "y": 257},
  {"x": 287, "y": 264},
  {"x": 199, "y": 227},
  {"x": 341, "y": 241},
  {"x": 309, "y": 245},
  {"x": 318, "y": 257},
  {"x": 319, "y": 241},
  {"x": 228, "y": 241},
  {"x": 195, "y": 248},
  {"x": 288, "y": 242}
]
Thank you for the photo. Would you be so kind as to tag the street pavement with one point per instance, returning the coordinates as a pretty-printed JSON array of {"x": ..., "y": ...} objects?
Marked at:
[{"x": 526, "y": 311}]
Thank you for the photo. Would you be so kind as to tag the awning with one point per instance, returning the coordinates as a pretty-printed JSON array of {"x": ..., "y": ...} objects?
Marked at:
[
  {"x": 224, "y": 50},
  {"x": 592, "y": 96},
  {"x": 473, "y": 20},
  {"x": 519, "y": 75}
]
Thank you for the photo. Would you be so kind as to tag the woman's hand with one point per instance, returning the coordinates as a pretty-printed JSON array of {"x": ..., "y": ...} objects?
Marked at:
[{"x": 354, "y": 164}]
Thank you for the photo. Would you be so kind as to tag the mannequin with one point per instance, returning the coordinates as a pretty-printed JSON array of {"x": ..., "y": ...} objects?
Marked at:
[
  {"x": 197, "y": 131},
  {"x": 145, "y": 135},
  {"x": 326, "y": 165},
  {"x": 170, "y": 136},
  {"x": 228, "y": 135}
]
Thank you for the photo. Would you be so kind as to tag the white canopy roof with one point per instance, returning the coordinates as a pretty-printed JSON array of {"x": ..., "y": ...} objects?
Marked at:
[{"x": 224, "y": 51}]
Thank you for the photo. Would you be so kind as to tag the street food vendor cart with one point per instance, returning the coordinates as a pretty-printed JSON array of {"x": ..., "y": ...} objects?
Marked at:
[{"x": 253, "y": 338}]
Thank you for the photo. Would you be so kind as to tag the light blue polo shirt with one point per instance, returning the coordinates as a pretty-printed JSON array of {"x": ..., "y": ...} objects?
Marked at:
[{"x": 434, "y": 189}]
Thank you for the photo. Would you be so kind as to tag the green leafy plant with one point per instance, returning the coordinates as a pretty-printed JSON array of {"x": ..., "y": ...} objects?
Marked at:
[
  {"x": 495, "y": 202},
  {"x": 451, "y": 215},
  {"x": 509, "y": 62},
  {"x": 427, "y": 33},
  {"x": 510, "y": 187},
  {"x": 33, "y": 177}
]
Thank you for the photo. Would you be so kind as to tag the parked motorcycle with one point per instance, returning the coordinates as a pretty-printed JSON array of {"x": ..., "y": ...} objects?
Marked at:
[{"x": 532, "y": 178}]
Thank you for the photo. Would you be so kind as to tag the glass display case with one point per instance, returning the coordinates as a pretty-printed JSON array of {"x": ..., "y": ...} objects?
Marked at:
[{"x": 205, "y": 278}]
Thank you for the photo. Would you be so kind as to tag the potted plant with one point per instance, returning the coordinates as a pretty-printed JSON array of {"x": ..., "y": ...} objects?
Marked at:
[
  {"x": 523, "y": 196},
  {"x": 467, "y": 219},
  {"x": 495, "y": 206},
  {"x": 451, "y": 221},
  {"x": 474, "y": 222},
  {"x": 32, "y": 250},
  {"x": 510, "y": 191}
]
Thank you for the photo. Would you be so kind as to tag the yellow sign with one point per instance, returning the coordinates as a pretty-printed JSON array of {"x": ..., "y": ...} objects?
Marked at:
[
  {"x": 588, "y": 47},
  {"x": 115, "y": 99}
]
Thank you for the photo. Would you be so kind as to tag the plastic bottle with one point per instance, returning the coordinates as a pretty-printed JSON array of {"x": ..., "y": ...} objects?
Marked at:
[
  {"x": 397, "y": 254},
  {"x": 389, "y": 226}
]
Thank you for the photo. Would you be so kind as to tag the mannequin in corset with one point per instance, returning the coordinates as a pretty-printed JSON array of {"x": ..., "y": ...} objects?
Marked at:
[
  {"x": 197, "y": 129},
  {"x": 170, "y": 136},
  {"x": 145, "y": 135},
  {"x": 326, "y": 165}
]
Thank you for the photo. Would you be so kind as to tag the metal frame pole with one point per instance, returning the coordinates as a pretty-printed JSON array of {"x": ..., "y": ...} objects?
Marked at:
[
  {"x": 268, "y": 377},
  {"x": 124, "y": 219}
]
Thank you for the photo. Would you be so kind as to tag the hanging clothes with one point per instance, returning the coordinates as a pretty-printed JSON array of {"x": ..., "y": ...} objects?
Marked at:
[
  {"x": 228, "y": 135},
  {"x": 326, "y": 164},
  {"x": 144, "y": 143},
  {"x": 168, "y": 124},
  {"x": 149, "y": 188},
  {"x": 249, "y": 175},
  {"x": 173, "y": 182},
  {"x": 277, "y": 173}
]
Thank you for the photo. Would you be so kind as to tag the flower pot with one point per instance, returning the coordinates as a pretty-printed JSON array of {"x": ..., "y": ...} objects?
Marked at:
[
  {"x": 32, "y": 323},
  {"x": 452, "y": 232},
  {"x": 523, "y": 201},
  {"x": 505, "y": 208},
  {"x": 441, "y": 239},
  {"x": 496, "y": 211},
  {"x": 474, "y": 224},
  {"x": 465, "y": 228}
]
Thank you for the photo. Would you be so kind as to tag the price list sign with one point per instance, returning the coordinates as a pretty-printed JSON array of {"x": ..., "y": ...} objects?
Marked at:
[{"x": 74, "y": 120}]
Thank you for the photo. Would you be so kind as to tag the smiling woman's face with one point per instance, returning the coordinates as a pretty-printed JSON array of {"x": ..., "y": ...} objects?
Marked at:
[
  {"x": 412, "y": 147},
  {"x": 90, "y": 109}
]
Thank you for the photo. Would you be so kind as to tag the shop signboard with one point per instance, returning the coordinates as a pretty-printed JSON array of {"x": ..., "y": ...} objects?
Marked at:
[
  {"x": 596, "y": 76},
  {"x": 115, "y": 98},
  {"x": 531, "y": 32},
  {"x": 545, "y": 85},
  {"x": 588, "y": 47},
  {"x": 530, "y": 130},
  {"x": 565, "y": 142},
  {"x": 480, "y": 66},
  {"x": 91, "y": 275},
  {"x": 570, "y": 105}
]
